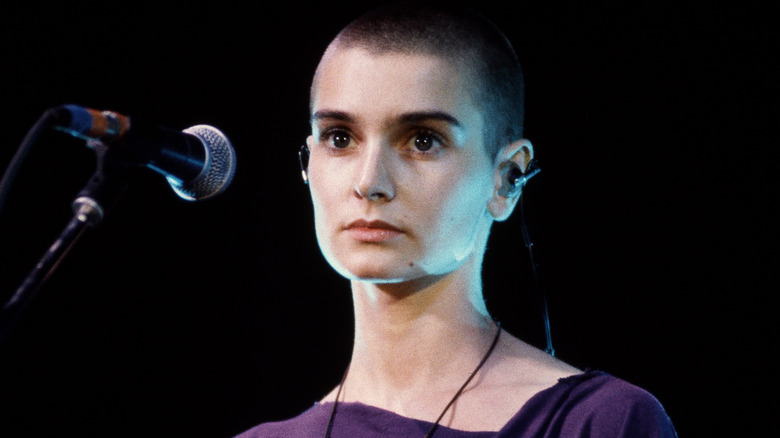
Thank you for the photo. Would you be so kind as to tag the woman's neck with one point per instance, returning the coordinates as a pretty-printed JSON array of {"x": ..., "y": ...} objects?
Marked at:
[{"x": 417, "y": 340}]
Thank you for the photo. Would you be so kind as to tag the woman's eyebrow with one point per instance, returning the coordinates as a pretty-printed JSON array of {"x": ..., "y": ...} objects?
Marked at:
[
  {"x": 333, "y": 115},
  {"x": 423, "y": 116},
  {"x": 406, "y": 118}
]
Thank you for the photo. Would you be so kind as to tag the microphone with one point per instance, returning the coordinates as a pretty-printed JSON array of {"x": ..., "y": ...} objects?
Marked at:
[{"x": 198, "y": 162}]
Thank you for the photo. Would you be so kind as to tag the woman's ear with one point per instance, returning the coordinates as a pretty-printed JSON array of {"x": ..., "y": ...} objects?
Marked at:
[{"x": 511, "y": 163}]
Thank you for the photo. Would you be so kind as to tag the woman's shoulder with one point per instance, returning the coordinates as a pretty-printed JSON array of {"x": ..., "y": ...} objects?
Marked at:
[
  {"x": 544, "y": 390},
  {"x": 595, "y": 403},
  {"x": 593, "y": 390}
]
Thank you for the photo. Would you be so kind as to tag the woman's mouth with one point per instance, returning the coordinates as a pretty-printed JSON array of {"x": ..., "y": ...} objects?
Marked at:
[{"x": 372, "y": 231}]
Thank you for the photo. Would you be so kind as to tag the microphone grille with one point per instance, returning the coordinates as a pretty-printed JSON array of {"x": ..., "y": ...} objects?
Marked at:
[{"x": 218, "y": 169}]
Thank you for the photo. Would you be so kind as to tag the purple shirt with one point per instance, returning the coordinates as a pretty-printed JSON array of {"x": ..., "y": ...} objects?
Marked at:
[{"x": 592, "y": 404}]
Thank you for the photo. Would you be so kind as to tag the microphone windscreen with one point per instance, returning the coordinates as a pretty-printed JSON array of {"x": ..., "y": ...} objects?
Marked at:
[{"x": 218, "y": 168}]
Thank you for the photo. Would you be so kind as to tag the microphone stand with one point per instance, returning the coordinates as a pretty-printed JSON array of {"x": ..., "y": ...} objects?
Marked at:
[{"x": 104, "y": 187}]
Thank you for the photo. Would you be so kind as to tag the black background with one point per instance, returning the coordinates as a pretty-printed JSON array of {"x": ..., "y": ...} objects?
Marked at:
[{"x": 654, "y": 216}]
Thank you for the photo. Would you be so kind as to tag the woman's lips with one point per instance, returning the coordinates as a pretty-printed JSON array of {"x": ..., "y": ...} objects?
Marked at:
[{"x": 372, "y": 231}]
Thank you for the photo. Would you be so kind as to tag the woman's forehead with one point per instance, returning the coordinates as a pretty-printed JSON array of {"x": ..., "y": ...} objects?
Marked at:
[{"x": 355, "y": 77}]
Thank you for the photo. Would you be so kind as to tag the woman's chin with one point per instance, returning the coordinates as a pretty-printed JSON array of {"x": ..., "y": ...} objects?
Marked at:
[
  {"x": 373, "y": 275},
  {"x": 379, "y": 273}
]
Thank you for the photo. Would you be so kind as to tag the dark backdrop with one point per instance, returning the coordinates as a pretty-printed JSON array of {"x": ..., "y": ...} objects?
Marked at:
[{"x": 654, "y": 215}]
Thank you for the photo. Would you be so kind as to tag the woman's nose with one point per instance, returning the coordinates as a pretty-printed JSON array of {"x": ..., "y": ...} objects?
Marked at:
[{"x": 375, "y": 180}]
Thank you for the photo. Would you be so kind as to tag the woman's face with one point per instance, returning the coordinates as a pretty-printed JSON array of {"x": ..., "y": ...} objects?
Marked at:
[{"x": 399, "y": 176}]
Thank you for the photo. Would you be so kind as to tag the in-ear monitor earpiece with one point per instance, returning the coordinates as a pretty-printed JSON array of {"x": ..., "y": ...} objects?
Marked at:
[
  {"x": 303, "y": 159},
  {"x": 514, "y": 179}
]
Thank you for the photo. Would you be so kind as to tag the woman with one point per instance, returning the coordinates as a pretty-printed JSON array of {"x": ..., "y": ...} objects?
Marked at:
[{"x": 416, "y": 149}]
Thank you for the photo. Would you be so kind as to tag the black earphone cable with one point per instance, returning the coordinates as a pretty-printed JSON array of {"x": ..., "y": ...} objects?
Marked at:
[{"x": 535, "y": 273}]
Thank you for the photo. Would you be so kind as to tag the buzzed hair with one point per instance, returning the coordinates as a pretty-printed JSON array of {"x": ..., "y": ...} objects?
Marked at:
[{"x": 463, "y": 37}]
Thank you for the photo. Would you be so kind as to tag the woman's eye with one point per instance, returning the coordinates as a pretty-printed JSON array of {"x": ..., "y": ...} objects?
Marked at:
[
  {"x": 426, "y": 141},
  {"x": 423, "y": 142},
  {"x": 339, "y": 139}
]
